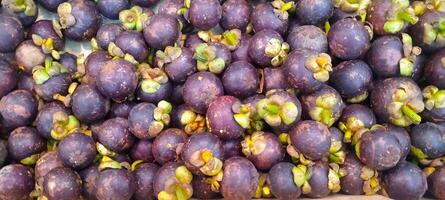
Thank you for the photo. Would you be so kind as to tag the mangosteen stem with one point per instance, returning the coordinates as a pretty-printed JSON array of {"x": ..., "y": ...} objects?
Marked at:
[{"x": 411, "y": 114}]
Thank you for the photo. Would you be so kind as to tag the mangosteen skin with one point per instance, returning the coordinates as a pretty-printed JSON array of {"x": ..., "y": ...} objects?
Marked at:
[
  {"x": 235, "y": 15},
  {"x": 380, "y": 150},
  {"x": 93, "y": 63},
  {"x": 202, "y": 189},
  {"x": 144, "y": 3},
  {"x": 281, "y": 182},
  {"x": 166, "y": 144},
  {"x": 435, "y": 70},
  {"x": 117, "y": 79},
  {"x": 430, "y": 138},
  {"x": 361, "y": 112},
  {"x": 118, "y": 184},
  {"x": 179, "y": 69},
  {"x": 3, "y": 152},
  {"x": 204, "y": 14},
  {"x": 274, "y": 79},
  {"x": 192, "y": 41},
  {"x": 199, "y": 142},
  {"x": 200, "y": 89},
  {"x": 308, "y": 37},
  {"x": 298, "y": 76},
  {"x": 12, "y": 34},
  {"x": 140, "y": 119},
  {"x": 108, "y": 33},
  {"x": 263, "y": 17},
  {"x": 162, "y": 93},
  {"x": 111, "y": 8},
  {"x": 145, "y": 174},
  {"x": 232, "y": 148},
  {"x": 240, "y": 179},
  {"x": 402, "y": 136},
  {"x": 377, "y": 14},
  {"x": 435, "y": 115},
  {"x": 384, "y": 56},
  {"x": 220, "y": 118},
  {"x": 18, "y": 108},
  {"x": 161, "y": 31},
  {"x": 28, "y": 55},
  {"x": 417, "y": 30},
  {"x": 88, "y": 104},
  {"x": 77, "y": 150},
  {"x": 351, "y": 78},
  {"x": 319, "y": 180},
  {"x": 115, "y": 134},
  {"x": 436, "y": 183},
  {"x": 69, "y": 60},
  {"x": 50, "y": 5},
  {"x": 133, "y": 43},
  {"x": 16, "y": 182},
  {"x": 271, "y": 155},
  {"x": 241, "y": 79},
  {"x": 314, "y": 12},
  {"x": 121, "y": 109},
  {"x": 47, "y": 162},
  {"x": 311, "y": 138},
  {"x": 352, "y": 183},
  {"x": 25, "y": 82},
  {"x": 88, "y": 20},
  {"x": 348, "y": 39},
  {"x": 89, "y": 177},
  {"x": 24, "y": 142},
  {"x": 62, "y": 183},
  {"x": 58, "y": 84},
  {"x": 242, "y": 51},
  {"x": 9, "y": 77},
  {"x": 258, "y": 45},
  {"x": 404, "y": 181},
  {"x": 142, "y": 150},
  {"x": 44, "y": 28},
  {"x": 44, "y": 119}
]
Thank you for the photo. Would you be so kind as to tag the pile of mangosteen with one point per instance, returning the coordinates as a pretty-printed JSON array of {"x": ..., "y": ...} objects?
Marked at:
[{"x": 232, "y": 99}]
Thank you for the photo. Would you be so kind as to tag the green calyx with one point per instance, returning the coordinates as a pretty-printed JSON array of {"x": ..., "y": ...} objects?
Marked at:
[
  {"x": 301, "y": 175},
  {"x": 323, "y": 110},
  {"x": 133, "y": 18},
  {"x": 208, "y": 164},
  {"x": 262, "y": 190},
  {"x": 168, "y": 55},
  {"x": 404, "y": 108},
  {"x": 94, "y": 45},
  {"x": 184, "y": 10},
  {"x": 297, "y": 156},
  {"x": 117, "y": 52},
  {"x": 63, "y": 125},
  {"x": 30, "y": 160},
  {"x": 434, "y": 33},
  {"x": 421, "y": 6},
  {"x": 108, "y": 163},
  {"x": 334, "y": 175},
  {"x": 161, "y": 118},
  {"x": 284, "y": 138},
  {"x": 192, "y": 122},
  {"x": 371, "y": 183},
  {"x": 207, "y": 59},
  {"x": 231, "y": 38},
  {"x": 433, "y": 97},
  {"x": 51, "y": 68},
  {"x": 277, "y": 51},
  {"x": 320, "y": 65},
  {"x": 47, "y": 45},
  {"x": 152, "y": 78},
  {"x": 66, "y": 19},
  {"x": 254, "y": 144},
  {"x": 246, "y": 117},
  {"x": 28, "y": 7},
  {"x": 336, "y": 154},
  {"x": 351, "y": 6},
  {"x": 282, "y": 8},
  {"x": 400, "y": 14},
  {"x": 103, "y": 151},
  {"x": 275, "y": 112},
  {"x": 406, "y": 64},
  {"x": 418, "y": 153},
  {"x": 350, "y": 127}
]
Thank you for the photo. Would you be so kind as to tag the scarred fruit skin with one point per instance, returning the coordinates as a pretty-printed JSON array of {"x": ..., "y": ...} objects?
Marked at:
[
  {"x": 88, "y": 104},
  {"x": 68, "y": 182},
  {"x": 44, "y": 28},
  {"x": 87, "y": 19},
  {"x": 29, "y": 55},
  {"x": 166, "y": 144},
  {"x": 402, "y": 137},
  {"x": 115, "y": 184},
  {"x": 435, "y": 70},
  {"x": 77, "y": 150},
  {"x": 9, "y": 77},
  {"x": 379, "y": 150},
  {"x": 18, "y": 108},
  {"x": 89, "y": 177},
  {"x": 140, "y": 119},
  {"x": 24, "y": 142},
  {"x": 263, "y": 17},
  {"x": 281, "y": 183},
  {"x": 348, "y": 39},
  {"x": 55, "y": 85},
  {"x": 430, "y": 138},
  {"x": 258, "y": 45},
  {"x": 352, "y": 79},
  {"x": 352, "y": 183},
  {"x": 241, "y": 79},
  {"x": 163, "y": 30},
  {"x": 142, "y": 150},
  {"x": 12, "y": 35},
  {"x": 220, "y": 118},
  {"x": 200, "y": 89},
  {"x": 47, "y": 162},
  {"x": 311, "y": 138},
  {"x": 240, "y": 179},
  {"x": 436, "y": 183},
  {"x": 202, "y": 188},
  {"x": 200, "y": 142},
  {"x": 93, "y": 63},
  {"x": 115, "y": 135},
  {"x": 235, "y": 15},
  {"x": 144, "y": 174},
  {"x": 308, "y": 37},
  {"x": 111, "y": 8},
  {"x": 272, "y": 153},
  {"x": 117, "y": 79},
  {"x": 16, "y": 182},
  {"x": 205, "y": 14},
  {"x": 404, "y": 181},
  {"x": 108, "y": 33},
  {"x": 314, "y": 12}
]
